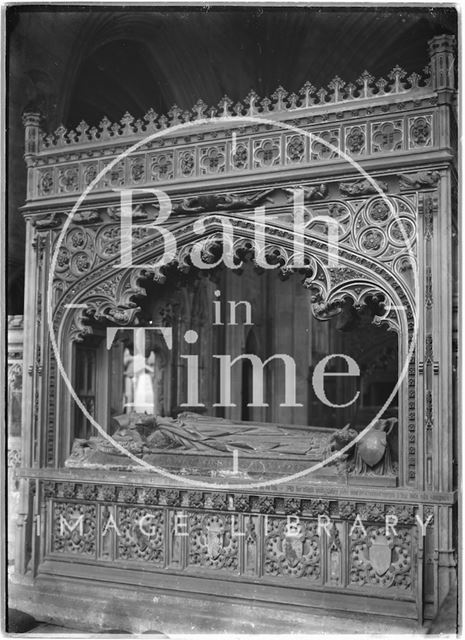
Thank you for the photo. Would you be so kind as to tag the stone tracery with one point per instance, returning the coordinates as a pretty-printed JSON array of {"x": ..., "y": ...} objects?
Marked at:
[{"x": 381, "y": 242}]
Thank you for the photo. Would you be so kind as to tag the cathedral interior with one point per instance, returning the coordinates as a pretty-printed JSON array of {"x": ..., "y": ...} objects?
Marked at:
[
  {"x": 84, "y": 64},
  {"x": 391, "y": 307}
]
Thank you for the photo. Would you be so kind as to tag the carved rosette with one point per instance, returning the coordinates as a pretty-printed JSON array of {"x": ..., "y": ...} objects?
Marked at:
[
  {"x": 239, "y": 156},
  {"x": 420, "y": 131},
  {"x": 295, "y": 148},
  {"x": 355, "y": 140}
]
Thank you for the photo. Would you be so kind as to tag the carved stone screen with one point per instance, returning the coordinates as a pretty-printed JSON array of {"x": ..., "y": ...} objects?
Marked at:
[{"x": 234, "y": 405}]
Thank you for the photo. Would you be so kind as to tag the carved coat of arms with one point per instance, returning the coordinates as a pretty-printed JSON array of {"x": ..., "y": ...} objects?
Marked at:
[
  {"x": 380, "y": 554},
  {"x": 215, "y": 540},
  {"x": 293, "y": 548}
]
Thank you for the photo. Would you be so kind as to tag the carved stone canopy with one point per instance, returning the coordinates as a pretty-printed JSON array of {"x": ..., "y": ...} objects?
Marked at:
[{"x": 110, "y": 294}]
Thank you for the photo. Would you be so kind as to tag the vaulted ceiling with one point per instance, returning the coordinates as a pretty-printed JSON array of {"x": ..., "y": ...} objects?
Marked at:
[
  {"x": 83, "y": 63},
  {"x": 155, "y": 60}
]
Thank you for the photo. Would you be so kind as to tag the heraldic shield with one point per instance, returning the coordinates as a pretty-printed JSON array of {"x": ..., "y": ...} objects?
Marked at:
[
  {"x": 215, "y": 540},
  {"x": 380, "y": 554},
  {"x": 294, "y": 549}
]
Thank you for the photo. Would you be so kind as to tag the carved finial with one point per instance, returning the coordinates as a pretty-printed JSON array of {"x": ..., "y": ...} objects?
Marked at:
[
  {"x": 252, "y": 99},
  {"x": 186, "y": 116},
  {"x": 381, "y": 86},
  {"x": 151, "y": 119},
  {"x": 199, "y": 109},
  {"x": 396, "y": 75},
  {"x": 279, "y": 99},
  {"x": 115, "y": 129},
  {"x": 322, "y": 93},
  {"x": 82, "y": 130},
  {"x": 60, "y": 134},
  {"x": 163, "y": 121},
  {"x": 336, "y": 85},
  {"x": 72, "y": 136},
  {"x": 426, "y": 71},
  {"x": 414, "y": 79},
  {"x": 139, "y": 126},
  {"x": 49, "y": 140},
  {"x": 105, "y": 128},
  {"x": 174, "y": 114},
  {"x": 127, "y": 121},
  {"x": 293, "y": 101},
  {"x": 364, "y": 82},
  {"x": 238, "y": 108},
  {"x": 224, "y": 104},
  {"x": 306, "y": 92},
  {"x": 265, "y": 105},
  {"x": 40, "y": 142},
  {"x": 94, "y": 134},
  {"x": 350, "y": 89}
]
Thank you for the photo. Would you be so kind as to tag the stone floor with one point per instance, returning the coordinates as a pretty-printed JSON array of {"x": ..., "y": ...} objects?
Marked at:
[
  {"x": 445, "y": 621},
  {"x": 45, "y": 630}
]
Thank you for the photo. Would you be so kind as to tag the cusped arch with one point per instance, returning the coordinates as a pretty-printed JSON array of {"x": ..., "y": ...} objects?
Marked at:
[{"x": 110, "y": 293}]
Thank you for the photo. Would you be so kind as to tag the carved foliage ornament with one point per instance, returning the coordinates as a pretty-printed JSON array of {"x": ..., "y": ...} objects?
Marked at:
[
  {"x": 420, "y": 132},
  {"x": 355, "y": 139},
  {"x": 292, "y": 550},
  {"x": 130, "y": 495},
  {"x": 74, "y": 540},
  {"x": 211, "y": 541},
  {"x": 289, "y": 546},
  {"x": 381, "y": 560},
  {"x": 280, "y": 101},
  {"x": 113, "y": 301},
  {"x": 142, "y": 534},
  {"x": 73, "y": 173}
]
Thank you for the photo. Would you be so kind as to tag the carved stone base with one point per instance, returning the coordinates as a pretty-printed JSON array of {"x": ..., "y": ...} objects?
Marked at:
[
  {"x": 125, "y": 529},
  {"x": 139, "y": 609}
]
